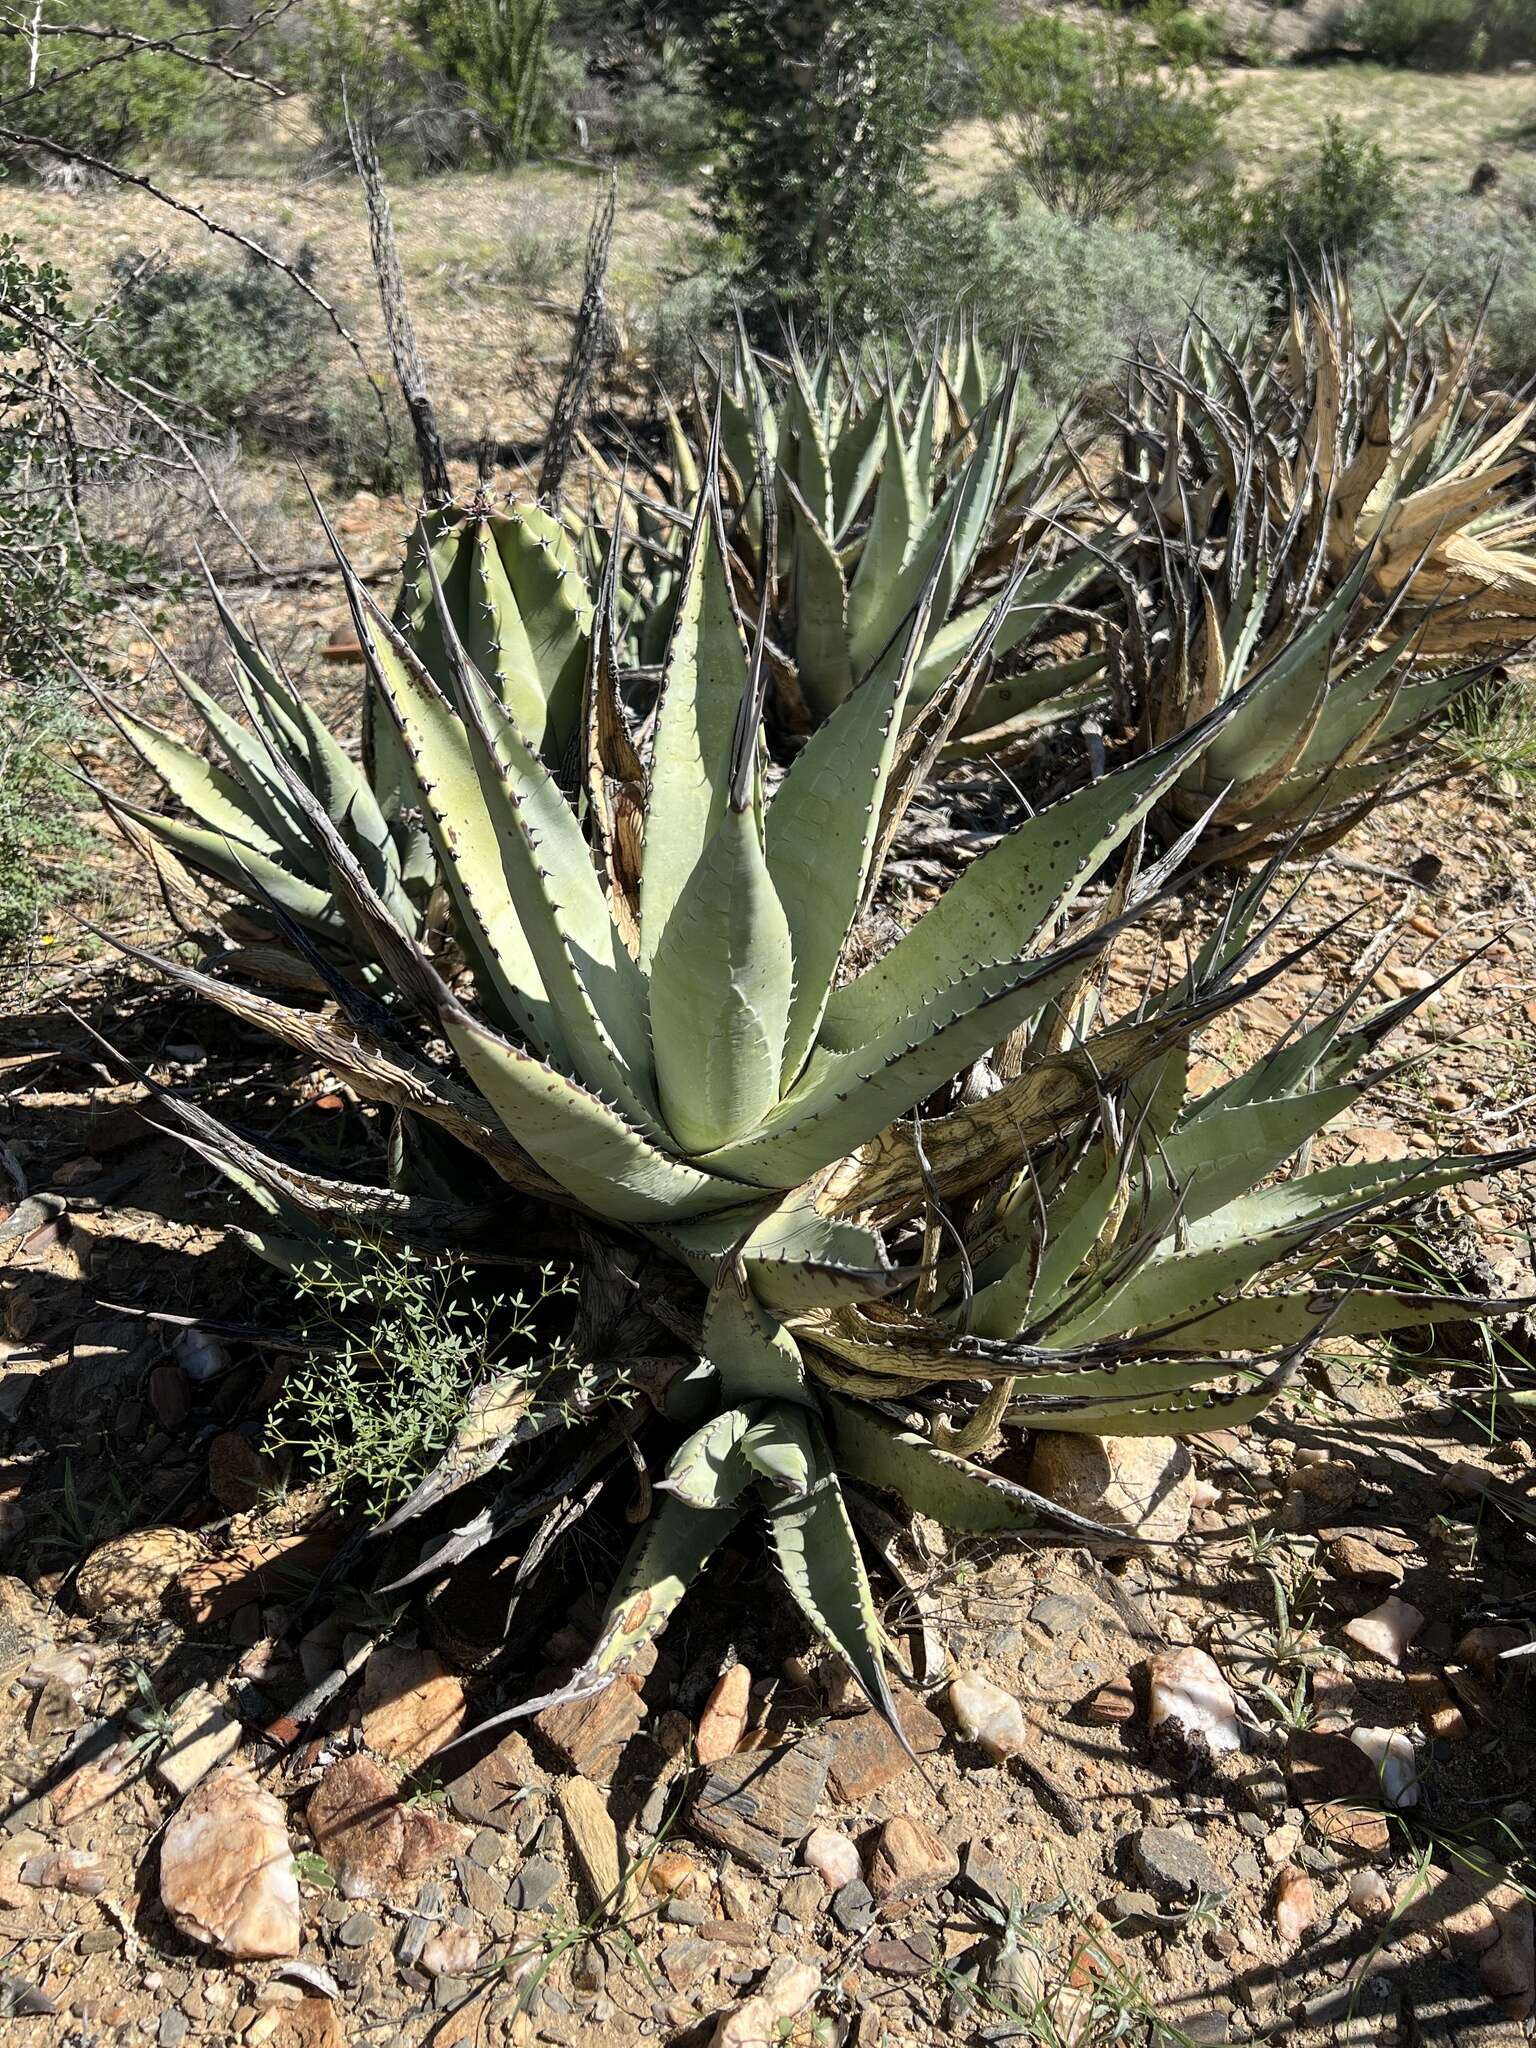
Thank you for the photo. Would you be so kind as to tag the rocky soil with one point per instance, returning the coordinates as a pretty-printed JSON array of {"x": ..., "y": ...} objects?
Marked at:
[{"x": 1271, "y": 1774}]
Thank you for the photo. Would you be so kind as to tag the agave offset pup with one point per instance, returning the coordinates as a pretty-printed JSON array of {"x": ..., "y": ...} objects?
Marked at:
[
  {"x": 845, "y": 482},
  {"x": 517, "y": 603},
  {"x": 663, "y": 1044}
]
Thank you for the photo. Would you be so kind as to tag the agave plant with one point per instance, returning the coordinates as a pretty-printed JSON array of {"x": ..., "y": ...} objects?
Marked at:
[
  {"x": 1335, "y": 526},
  {"x": 846, "y": 483},
  {"x": 516, "y": 597},
  {"x": 1358, "y": 441},
  {"x": 666, "y": 1043}
]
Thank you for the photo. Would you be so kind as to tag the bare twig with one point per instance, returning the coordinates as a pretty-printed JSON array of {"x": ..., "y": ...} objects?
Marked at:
[
  {"x": 571, "y": 400},
  {"x": 410, "y": 374},
  {"x": 129, "y": 43}
]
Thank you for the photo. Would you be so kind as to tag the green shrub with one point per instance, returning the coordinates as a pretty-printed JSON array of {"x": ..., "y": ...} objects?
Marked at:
[
  {"x": 1434, "y": 35},
  {"x": 1098, "y": 120},
  {"x": 231, "y": 342},
  {"x": 1341, "y": 201},
  {"x": 403, "y": 1341},
  {"x": 59, "y": 581},
  {"x": 820, "y": 129},
  {"x": 363, "y": 448},
  {"x": 140, "y": 101},
  {"x": 496, "y": 55},
  {"x": 361, "y": 56},
  {"x": 663, "y": 125},
  {"x": 1470, "y": 250}
]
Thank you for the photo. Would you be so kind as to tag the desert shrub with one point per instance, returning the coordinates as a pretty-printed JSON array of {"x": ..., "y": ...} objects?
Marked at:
[
  {"x": 363, "y": 447},
  {"x": 662, "y": 124},
  {"x": 1341, "y": 201},
  {"x": 59, "y": 579},
  {"x": 1470, "y": 250},
  {"x": 1099, "y": 119},
  {"x": 403, "y": 1340},
  {"x": 1434, "y": 35},
  {"x": 821, "y": 125},
  {"x": 140, "y": 100},
  {"x": 365, "y": 58},
  {"x": 232, "y": 342},
  {"x": 497, "y": 57}
]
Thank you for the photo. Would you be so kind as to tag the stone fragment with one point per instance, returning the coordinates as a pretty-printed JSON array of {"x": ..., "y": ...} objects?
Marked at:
[
  {"x": 312, "y": 2023},
  {"x": 853, "y": 1907},
  {"x": 203, "y": 1737},
  {"x": 1336, "y": 1784},
  {"x": 452, "y": 1953},
  {"x": 66, "y": 1870},
  {"x": 1190, "y": 1705},
  {"x": 1173, "y": 1866},
  {"x": 1138, "y": 1483},
  {"x": 1482, "y": 1649},
  {"x": 226, "y": 1872},
  {"x": 370, "y": 1840},
  {"x": 763, "y": 2021},
  {"x": 902, "y": 1955},
  {"x": 238, "y": 1474},
  {"x": 216, "y": 1589},
  {"x": 594, "y": 1837},
  {"x": 412, "y": 1705},
  {"x": 589, "y": 1735},
  {"x": 1355, "y": 1558},
  {"x": 1370, "y": 1896},
  {"x": 759, "y": 1802},
  {"x": 1295, "y": 1905},
  {"x": 55, "y": 1712},
  {"x": 866, "y": 1756},
  {"x": 832, "y": 1856},
  {"x": 987, "y": 1715},
  {"x": 128, "y": 1579},
  {"x": 907, "y": 1860},
  {"x": 1507, "y": 1967},
  {"x": 534, "y": 1885},
  {"x": 724, "y": 1719},
  {"x": 671, "y": 1874},
  {"x": 1112, "y": 1704},
  {"x": 493, "y": 1791},
  {"x": 67, "y": 1665},
  {"x": 1387, "y": 1630},
  {"x": 1394, "y": 1763}
]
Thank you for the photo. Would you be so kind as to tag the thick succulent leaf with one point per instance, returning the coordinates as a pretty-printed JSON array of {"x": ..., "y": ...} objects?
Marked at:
[
  {"x": 702, "y": 683},
  {"x": 820, "y": 836},
  {"x": 247, "y": 754},
  {"x": 858, "y": 458},
  {"x": 594, "y": 985},
  {"x": 780, "y": 1448},
  {"x": 1226, "y": 1153},
  {"x": 795, "y": 1258},
  {"x": 898, "y": 512},
  {"x": 1035, "y": 606},
  {"x": 668, "y": 1555},
  {"x": 995, "y": 911},
  {"x": 242, "y": 868},
  {"x": 1058, "y": 689},
  {"x": 721, "y": 980},
  {"x": 580, "y": 1140},
  {"x": 1264, "y": 1322},
  {"x": 756, "y": 1357},
  {"x": 952, "y": 1491},
  {"x": 214, "y": 797},
  {"x": 712, "y": 1468},
  {"x": 823, "y": 1568},
  {"x": 820, "y": 611}
]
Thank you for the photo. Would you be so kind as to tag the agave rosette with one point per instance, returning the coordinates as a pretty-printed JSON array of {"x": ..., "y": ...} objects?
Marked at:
[
  {"x": 665, "y": 1042},
  {"x": 846, "y": 482}
]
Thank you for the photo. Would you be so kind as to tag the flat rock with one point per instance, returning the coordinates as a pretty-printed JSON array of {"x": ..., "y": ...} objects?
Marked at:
[
  {"x": 763, "y": 2021},
  {"x": 724, "y": 1719},
  {"x": 866, "y": 1757},
  {"x": 226, "y": 1872},
  {"x": 493, "y": 1789},
  {"x": 129, "y": 1579},
  {"x": 594, "y": 1837},
  {"x": 204, "y": 1737},
  {"x": 589, "y": 1735},
  {"x": 1172, "y": 1866},
  {"x": 908, "y": 1859},
  {"x": 1336, "y": 1783},
  {"x": 214, "y": 1589},
  {"x": 1143, "y": 1484},
  {"x": 1387, "y": 1630},
  {"x": 371, "y": 1840},
  {"x": 412, "y": 1705},
  {"x": 759, "y": 1803},
  {"x": 987, "y": 1715}
]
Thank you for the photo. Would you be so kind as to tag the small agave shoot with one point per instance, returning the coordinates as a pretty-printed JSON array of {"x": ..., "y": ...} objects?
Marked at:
[
  {"x": 846, "y": 484},
  {"x": 517, "y": 602},
  {"x": 665, "y": 1042},
  {"x": 1335, "y": 515}
]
